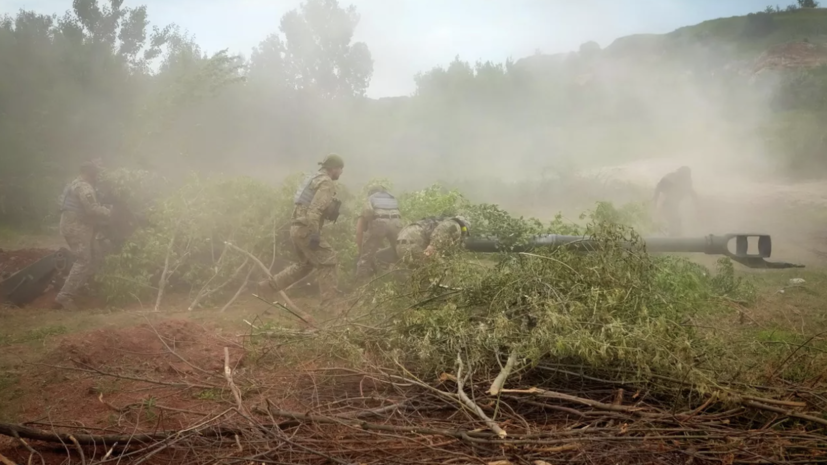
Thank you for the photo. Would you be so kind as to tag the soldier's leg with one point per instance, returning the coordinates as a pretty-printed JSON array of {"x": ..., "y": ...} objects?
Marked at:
[
  {"x": 299, "y": 269},
  {"x": 370, "y": 245},
  {"x": 286, "y": 277},
  {"x": 324, "y": 260},
  {"x": 391, "y": 234},
  {"x": 80, "y": 243}
]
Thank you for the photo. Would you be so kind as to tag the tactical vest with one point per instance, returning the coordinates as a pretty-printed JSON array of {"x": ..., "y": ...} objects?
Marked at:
[
  {"x": 305, "y": 193},
  {"x": 383, "y": 201},
  {"x": 70, "y": 201}
]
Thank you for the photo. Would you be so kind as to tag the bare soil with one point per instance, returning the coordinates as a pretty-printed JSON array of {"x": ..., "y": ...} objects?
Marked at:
[{"x": 12, "y": 261}]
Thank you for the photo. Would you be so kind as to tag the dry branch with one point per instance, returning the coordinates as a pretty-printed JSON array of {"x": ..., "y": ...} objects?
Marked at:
[
  {"x": 499, "y": 381},
  {"x": 492, "y": 425},
  {"x": 295, "y": 308},
  {"x": 575, "y": 399},
  {"x": 204, "y": 292},
  {"x": 239, "y": 291},
  {"x": 5, "y": 460},
  {"x": 228, "y": 374},
  {"x": 788, "y": 413},
  {"x": 13, "y": 430},
  {"x": 162, "y": 281}
]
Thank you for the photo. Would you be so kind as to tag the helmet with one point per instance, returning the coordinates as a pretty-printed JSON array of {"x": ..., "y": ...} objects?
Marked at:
[
  {"x": 332, "y": 161},
  {"x": 375, "y": 186},
  {"x": 464, "y": 224}
]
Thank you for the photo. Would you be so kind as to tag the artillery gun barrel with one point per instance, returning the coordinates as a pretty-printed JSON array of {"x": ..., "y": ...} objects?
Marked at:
[{"x": 710, "y": 245}]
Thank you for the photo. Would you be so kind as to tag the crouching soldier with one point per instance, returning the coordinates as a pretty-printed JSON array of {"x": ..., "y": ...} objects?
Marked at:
[
  {"x": 670, "y": 193},
  {"x": 429, "y": 237},
  {"x": 379, "y": 221}
]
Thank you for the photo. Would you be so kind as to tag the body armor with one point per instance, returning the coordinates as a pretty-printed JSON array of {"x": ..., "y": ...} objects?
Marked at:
[
  {"x": 69, "y": 200},
  {"x": 383, "y": 201},
  {"x": 304, "y": 194}
]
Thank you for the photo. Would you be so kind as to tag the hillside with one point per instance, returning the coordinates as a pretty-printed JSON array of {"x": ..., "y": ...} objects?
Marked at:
[
  {"x": 753, "y": 84},
  {"x": 797, "y": 38}
]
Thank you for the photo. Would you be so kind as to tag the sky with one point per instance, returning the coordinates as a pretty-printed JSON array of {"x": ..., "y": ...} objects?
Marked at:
[{"x": 410, "y": 36}]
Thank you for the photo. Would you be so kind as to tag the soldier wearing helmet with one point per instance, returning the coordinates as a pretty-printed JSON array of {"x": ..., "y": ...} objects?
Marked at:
[
  {"x": 429, "y": 237},
  {"x": 315, "y": 203},
  {"x": 80, "y": 214},
  {"x": 379, "y": 221},
  {"x": 670, "y": 193}
]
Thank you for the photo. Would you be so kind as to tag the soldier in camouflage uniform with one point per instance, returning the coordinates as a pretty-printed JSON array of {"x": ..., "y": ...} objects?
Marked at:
[
  {"x": 380, "y": 220},
  {"x": 430, "y": 236},
  {"x": 315, "y": 201},
  {"x": 80, "y": 214},
  {"x": 672, "y": 190}
]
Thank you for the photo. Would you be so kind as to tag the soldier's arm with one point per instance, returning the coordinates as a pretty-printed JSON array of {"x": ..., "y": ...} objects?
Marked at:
[
  {"x": 86, "y": 195},
  {"x": 324, "y": 196},
  {"x": 659, "y": 189}
]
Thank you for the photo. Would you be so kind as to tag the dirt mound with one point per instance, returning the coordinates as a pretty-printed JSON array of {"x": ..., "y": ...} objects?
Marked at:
[
  {"x": 791, "y": 55},
  {"x": 157, "y": 375},
  {"x": 12, "y": 261},
  {"x": 147, "y": 345}
]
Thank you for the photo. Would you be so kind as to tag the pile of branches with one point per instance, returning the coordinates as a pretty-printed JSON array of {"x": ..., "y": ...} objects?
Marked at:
[{"x": 349, "y": 416}]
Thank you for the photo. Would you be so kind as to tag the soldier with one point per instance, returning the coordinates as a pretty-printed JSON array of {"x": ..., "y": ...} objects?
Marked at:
[
  {"x": 80, "y": 214},
  {"x": 673, "y": 189},
  {"x": 380, "y": 220},
  {"x": 315, "y": 201},
  {"x": 429, "y": 236}
]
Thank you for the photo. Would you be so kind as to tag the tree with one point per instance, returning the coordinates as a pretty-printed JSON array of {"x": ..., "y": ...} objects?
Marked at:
[
  {"x": 317, "y": 52},
  {"x": 66, "y": 94},
  {"x": 807, "y": 3}
]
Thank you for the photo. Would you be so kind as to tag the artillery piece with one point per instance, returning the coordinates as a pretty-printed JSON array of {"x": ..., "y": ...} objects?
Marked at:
[
  {"x": 710, "y": 245},
  {"x": 28, "y": 283}
]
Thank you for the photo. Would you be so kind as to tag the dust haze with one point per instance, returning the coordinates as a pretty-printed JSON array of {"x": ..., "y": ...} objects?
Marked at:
[{"x": 537, "y": 134}]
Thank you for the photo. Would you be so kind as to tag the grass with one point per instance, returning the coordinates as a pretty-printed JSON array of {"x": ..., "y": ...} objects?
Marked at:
[{"x": 33, "y": 335}]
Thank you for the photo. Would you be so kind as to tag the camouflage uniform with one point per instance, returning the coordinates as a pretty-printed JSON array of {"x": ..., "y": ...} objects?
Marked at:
[
  {"x": 381, "y": 220},
  {"x": 674, "y": 187},
  {"x": 80, "y": 213},
  {"x": 441, "y": 233},
  {"x": 314, "y": 199}
]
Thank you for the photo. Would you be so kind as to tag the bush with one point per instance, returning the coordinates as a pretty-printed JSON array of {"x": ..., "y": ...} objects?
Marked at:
[
  {"x": 759, "y": 25},
  {"x": 619, "y": 312}
]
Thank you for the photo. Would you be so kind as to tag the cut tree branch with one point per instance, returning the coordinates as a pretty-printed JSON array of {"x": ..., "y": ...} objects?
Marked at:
[{"x": 492, "y": 425}]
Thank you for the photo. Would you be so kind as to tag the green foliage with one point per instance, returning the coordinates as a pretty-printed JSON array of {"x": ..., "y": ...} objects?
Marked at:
[
  {"x": 434, "y": 200},
  {"x": 189, "y": 227},
  {"x": 618, "y": 312}
]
